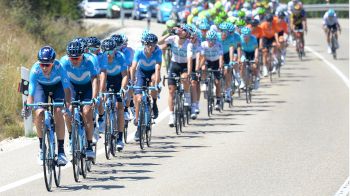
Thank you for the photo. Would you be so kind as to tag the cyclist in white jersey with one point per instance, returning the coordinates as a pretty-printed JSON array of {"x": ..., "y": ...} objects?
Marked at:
[{"x": 330, "y": 21}]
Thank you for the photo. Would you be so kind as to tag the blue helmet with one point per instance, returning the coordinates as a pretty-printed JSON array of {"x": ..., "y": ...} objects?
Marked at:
[
  {"x": 331, "y": 12},
  {"x": 93, "y": 42},
  {"x": 46, "y": 54},
  {"x": 118, "y": 39},
  {"x": 82, "y": 40},
  {"x": 107, "y": 45},
  {"x": 150, "y": 38},
  {"x": 246, "y": 31},
  {"x": 125, "y": 39},
  {"x": 224, "y": 26},
  {"x": 230, "y": 27},
  {"x": 74, "y": 49},
  {"x": 204, "y": 26},
  {"x": 144, "y": 35},
  {"x": 211, "y": 35}
]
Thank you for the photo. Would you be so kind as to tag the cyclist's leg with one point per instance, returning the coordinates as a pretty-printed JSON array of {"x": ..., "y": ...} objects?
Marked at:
[
  {"x": 39, "y": 96},
  {"x": 154, "y": 95},
  {"x": 265, "y": 56},
  {"x": 140, "y": 81}
]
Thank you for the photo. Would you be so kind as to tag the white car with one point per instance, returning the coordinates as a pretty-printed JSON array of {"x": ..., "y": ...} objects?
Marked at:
[{"x": 93, "y": 8}]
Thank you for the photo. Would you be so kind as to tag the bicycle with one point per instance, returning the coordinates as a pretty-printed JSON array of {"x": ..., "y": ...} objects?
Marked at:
[
  {"x": 334, "y": 43},
  {"x": 48, "y": 147},
  {"x": 79, "y": 141},
  {"x": 145, "y": 120},
  {"x": 210, "y": 87},
  {"x": 111, "y": 120},
  {"x": 248, "y": 79},
  {"x": 178, "y": 103},
  {"x": 299, "y": 44}
]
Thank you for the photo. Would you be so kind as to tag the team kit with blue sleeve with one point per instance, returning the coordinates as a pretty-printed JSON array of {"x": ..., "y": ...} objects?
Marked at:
[
  {"x": 80, "y": 76},
  {"x": 40, "y": 85},
  {"x": 248, "y": 48}
]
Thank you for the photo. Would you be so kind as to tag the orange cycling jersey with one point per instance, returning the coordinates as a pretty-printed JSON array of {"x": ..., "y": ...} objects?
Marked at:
[
  {"x": 257, "y": 31},
  {"x": 268, "y": 30},
  {"x": 280, "y": 25}
]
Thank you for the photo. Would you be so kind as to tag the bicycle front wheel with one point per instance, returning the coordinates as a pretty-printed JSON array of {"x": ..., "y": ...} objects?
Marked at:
[
  {"x": 107, "y": 141},
  {"x": 126, "y": 124},
  {"x": 48, "y": 165},
  {"x": 141, "y": 126}
]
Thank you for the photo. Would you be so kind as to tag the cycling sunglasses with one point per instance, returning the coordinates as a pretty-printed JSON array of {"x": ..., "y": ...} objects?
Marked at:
[
  {"x": 45, "y": 65},
  {"x": 150, "y": 44},
  {"x": 109, "y": 52},
  {"x": 92, "y": 49},
  {"x": 75, "y": 58}
]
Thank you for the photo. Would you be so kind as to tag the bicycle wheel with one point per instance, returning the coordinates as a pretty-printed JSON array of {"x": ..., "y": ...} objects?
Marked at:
[
  {"x": 188, "y": 114},
  {"x": 108, "y": 136},
  {"x": 182, "y": 113},
  {"x": 209, "y": 91},
  {"x": 149, "y": 129},
  {"x": 75, "y": 151},
  {"x": 333, "y": 46},
  {"x": 126, "y": 124},
  {"x": 57, "y": 174},
  {"x": 83, "y": 158},
  {"x": 93, "y": 161},
  {"x": 47, "y": 159},
  {"x": 141, "y": 126},
  {"x": 177, "y": 114}
]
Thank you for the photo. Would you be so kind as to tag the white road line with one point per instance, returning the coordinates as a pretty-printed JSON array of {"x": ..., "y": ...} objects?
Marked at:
[
  {"x": 345, "y": 189},
  {"x": 330, "y": 65},
  {"x": 100, "y": 151}
]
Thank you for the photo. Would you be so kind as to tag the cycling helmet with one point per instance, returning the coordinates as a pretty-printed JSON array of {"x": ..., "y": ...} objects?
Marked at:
[
  {"x": 108, "y": 45},
  {"x": 297, "y": 7},
  {"x": 194, "y": 11},
  {"x": 231, "y": 19},
  {"x": 74, "y": 49},
  {"x": 170, "y": 23},
  {"x": 331, "y": 12},
  {"x": 218, "y": 21},
  {"x": 211, "y": 35},
  {"x": 150, "y": 39},
  {"x": 222, "y": 15},
  {"x": 93, "y": 42},
  {"x": 247, "y": 5},
  {"x": 246, "y": 31},
  {"x": 240, "y": 23},
  {"x": 281, "y": 14},
  {"x": 82, "y": 41},
  {"x": 261, "y": 11},
  {"x": 204, "y": 26},
  {"x": 224, "y": 26},
  {"x": 212, "y": 12},
  {"x": 241, "y": 14},
  {"x": 46, "y": 54},
  {"x": 118, "y": 39},
  {"x": 144, "y": 35},
  {"x": 218, "y": 5},
  {"x": 254, "y": 22},
  {"x": 231, "y": 27},
  {"x": 125, "y": 39},
  {"x": 269, "y": 18},
  {"x": 185, "y": 27}
]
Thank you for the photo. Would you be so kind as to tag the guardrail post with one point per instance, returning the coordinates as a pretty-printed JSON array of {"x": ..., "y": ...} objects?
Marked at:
[{"x": 28, "y": 123}]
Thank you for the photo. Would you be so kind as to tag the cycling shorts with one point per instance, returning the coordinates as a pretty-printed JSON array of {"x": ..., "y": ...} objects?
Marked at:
[
  {"x": 298, "y": 27},
  {"x": 267, "y": 42},
  {"x": 82, "y": 92},
  {"x": 281, "y": 33},
  {"x": 143, "y": 78},
  {"x": 226, "y": 58},
  {"x": 214, "y": 65},
  {"x": 42, "y": 92},
  {"x": 176, "y": 69},
  {"x": 249, "y": 55},
  {"x": 330, "y": 27},
  {"x": 114, "y": 83}
]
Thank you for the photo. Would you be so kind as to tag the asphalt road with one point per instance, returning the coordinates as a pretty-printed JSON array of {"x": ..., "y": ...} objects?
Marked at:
[{"x": 293, "y": 139}]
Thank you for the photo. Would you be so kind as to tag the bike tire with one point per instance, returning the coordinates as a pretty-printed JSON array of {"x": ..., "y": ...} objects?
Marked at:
[
  {"x": 75, "y": 152},
  {"x": 141, "y": 126},
  {"x": 125, "y": 134},
  {"x": 182, "y": 113},
  {"x": 57, "y": 175},
  {"x": 209, "y": 97},
  {"x": 177, "y": 116},
  {"x": 83, "y": 159},
  {"x": 333, "y": 47},
  {"x": 107, "y": 136},
  {"x": 149, "y": 130},
  {"x": 93, "y": 161},
  {"x": 47, "y": 163}
]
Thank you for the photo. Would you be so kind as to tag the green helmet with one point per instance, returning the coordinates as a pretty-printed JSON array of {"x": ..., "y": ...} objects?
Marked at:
[
  {"x": 218, "y": 21},
  {"x": 194, "y": 11},
  {"x": 212, "y": 13},
  {"x": 222, "y": 15},
  {"x": 231, "y": 19},
  {"x": 170, "y": 23},
  {"x": 240, "y": 23},
  {"x": 261, "y": 10},
  {"x": 190, "y": 19},
  {"x": 218, "y": 5},
  {"x": 241, "y": 14}
]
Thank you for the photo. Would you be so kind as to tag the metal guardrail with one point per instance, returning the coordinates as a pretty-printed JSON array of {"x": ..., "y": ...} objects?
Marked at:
[{"x": 325, "y": 7}]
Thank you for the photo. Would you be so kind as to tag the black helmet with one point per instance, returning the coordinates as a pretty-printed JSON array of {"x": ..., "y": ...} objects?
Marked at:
[
  {"x": 107, "y": 45},
  {"x": 74, "y": 49},
  {"x": 118, "y": 39},
  {"x": 93, "y": 42},
  {"x": 269, "y": 17}
]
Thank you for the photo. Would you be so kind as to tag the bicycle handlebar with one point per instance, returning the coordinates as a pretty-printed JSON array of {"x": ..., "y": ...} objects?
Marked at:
[{"x": 42, "y": 104}]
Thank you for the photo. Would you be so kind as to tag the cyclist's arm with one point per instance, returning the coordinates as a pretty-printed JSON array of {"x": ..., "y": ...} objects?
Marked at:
[
  {"x": 32, "y": 86},
  {"x": 103, "y": 77},
  {"x": 162, "y": 39},
  {"x": 68, "y": 97},
  {"x": 94, "y": 86},
  {"x": 125, "y": 79},
  {"x": 239, "y": 52},
  {"x": 198, "y": 61},
  {"x": 231, "y": 50},
  {"x": 189, "y": 64},
  {"x": 132, "y": 70},
  {"x": 221, "y": 62},
  {"x": 157, "y": 72}
]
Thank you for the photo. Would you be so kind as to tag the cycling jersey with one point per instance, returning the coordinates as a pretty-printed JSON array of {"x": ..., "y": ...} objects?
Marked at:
[
  {"x": 117, "y": 66},
  {"x": 145, "y": 63},
  {"x": 37, "y": 77},
  {"x": 211, "y": 53},
  {"x": 280, "y": 25},
  {"x": 330, "y": 21},
  {"x": 297, "y": 19},
  {"x": 268, "y": 30},
  {"x": 249, "y": 46},
  {"x": 179, "y": 54},
  {"x": 257, "y": 31},
  {"x": 193, "y": 49},
  {"x": 81, "y": 74},
  {"x": 129, "y": 54},
  {"x": 97, "y": 60},
  {"x": 231, "y": 40}
]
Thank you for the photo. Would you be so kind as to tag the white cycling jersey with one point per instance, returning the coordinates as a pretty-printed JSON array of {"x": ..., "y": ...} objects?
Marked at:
[
  {"x": 211, "y": 53},
  {"x": 179, "y": 54},
  {"x": 330, "y": 21}
]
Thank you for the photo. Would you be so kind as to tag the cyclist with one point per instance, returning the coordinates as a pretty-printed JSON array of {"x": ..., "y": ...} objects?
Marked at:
[
  {"x": 282, "y": 29},
  {"x": 146, "y": 67},
  {"x": 114, "y": 76},
  {"x": 269, "y": 39},
  {"x": 212, "y": 55},
  {"x": 260, "y": 14},
  {"x": 47, "y": 75},
  {"x": 180, "y": 65},
  {"x": 82, "y": 73},
  {"x": 298, "y": 21},
  {"x": 249, "y": 46},
  {"x": 170, "y": 24},
  {"x": 330, "y": 22}
]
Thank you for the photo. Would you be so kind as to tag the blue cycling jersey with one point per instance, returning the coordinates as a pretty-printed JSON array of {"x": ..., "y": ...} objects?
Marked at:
[
  {"x": 236, "y": 39},
  {"x": 129, "y": 54},
  {"x": 117, "y": 66},
  {"x": 250, "y": 45},
  {"x": 37, "y": 77},
  {"x": 145, "y": 63},
  {"x": 83, "y": 73},
  {"x": 227, "y": 43}
]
